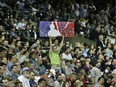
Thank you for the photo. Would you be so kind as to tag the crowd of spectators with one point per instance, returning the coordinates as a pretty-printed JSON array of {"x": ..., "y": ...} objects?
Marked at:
[{"x": 27, "y": 60}]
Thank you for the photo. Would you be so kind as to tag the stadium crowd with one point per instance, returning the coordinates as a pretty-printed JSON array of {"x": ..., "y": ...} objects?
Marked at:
[{"x": 27, "y": 60}]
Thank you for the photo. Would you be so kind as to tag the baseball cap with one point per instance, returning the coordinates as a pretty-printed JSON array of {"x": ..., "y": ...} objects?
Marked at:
[
  {"x": 53, "y": 71},
  {"x": 41, "y": 72},
  {"x": 26, "y": 69}
]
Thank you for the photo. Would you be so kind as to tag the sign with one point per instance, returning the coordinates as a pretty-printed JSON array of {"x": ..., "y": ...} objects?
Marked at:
[{"x": 54, "y": 29}]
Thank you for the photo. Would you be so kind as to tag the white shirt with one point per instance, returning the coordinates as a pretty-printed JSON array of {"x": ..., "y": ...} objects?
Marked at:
[
  {"x": 67, "y": 56},
  {"x": 21, "y": 25},
  {"x": 96, "y": 73},
  {"x": 109, "y": 52},
  {"x": 25, "y": 81},
  {"x": 37, "y": 79},
  {"x": 57, "y": 84}
]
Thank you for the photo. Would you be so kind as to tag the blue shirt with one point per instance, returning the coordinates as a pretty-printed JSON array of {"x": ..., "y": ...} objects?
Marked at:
[
  {"x": 9, "y": 65},
  {"x": 32, "y": 83},
  {"x": 35, "y": 63},
  {"x": 13, "y": 75}
]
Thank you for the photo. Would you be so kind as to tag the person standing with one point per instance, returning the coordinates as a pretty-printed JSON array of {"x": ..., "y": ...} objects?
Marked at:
[{"x": 54, "y": 55}]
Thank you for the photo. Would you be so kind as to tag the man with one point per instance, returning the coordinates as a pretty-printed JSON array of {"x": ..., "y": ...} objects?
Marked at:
[
  {"x": 58, "y": 82},
  {"x": 54, "y": 55},
  {"x": 22, "y": 54},
  {"x": 100, "y": 42},
  {"x": 77, "y": 67},
  {"x": 4, "y": 83},
  {"x": 31, "y": 81},
  {"x": 2, "y": 70},
  {"x": 67, "y": 68},
  {"x": 13, "y": 74},
  {"x": 32, "y": 58},
  {"x": 66, "y": 55},
  {"x": 73, "y": 78},
  {"x": 18, "y": 45},
  {"x": 95, "y": 73},
  {"x": 24, "y": 77},
  {"x": 11, "y": 61},
  {"x": 113, "y": 64},
  {"x": 25, "y": 34},
  {"x": 100, "y": 82},
  {"x": 4, "y": 59},
  {"x": 40, "y": 65},
  {"x": 42, "y": 82}
]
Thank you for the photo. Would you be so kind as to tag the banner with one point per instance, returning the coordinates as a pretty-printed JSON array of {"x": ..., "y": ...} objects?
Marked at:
[{"x": 54, "y": 29}]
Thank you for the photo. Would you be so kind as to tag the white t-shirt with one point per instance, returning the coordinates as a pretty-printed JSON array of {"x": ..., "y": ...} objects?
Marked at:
[
  {"x": 96, "y": 73},
  {"x": 67, "y": 56},
  {"x": 25, "y": 81},
  {"x": 21, "y": 25}
]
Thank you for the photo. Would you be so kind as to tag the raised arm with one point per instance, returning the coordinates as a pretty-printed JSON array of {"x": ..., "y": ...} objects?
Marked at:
[
  {"x": 61, "y": 44},
  {"x": 50, "y": 43}
]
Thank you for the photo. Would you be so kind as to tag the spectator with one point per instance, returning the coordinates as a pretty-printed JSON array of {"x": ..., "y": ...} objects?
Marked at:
[
  {"x": 67, "y": 84},
  {"x": 42, "y": 82},
  {"x": 32, "y": 57},
  {"x": 67, "y": 68},
  {"x": 21, "y": 24},
  {"x": 45, "y": 47},
  {"x": 100, "y": 42},
  {"x": 18, "y": 45},
  {"x": 54, "y": 53},
  {"x": 95, "y": 73},
  {"x": 100, "y": 82},
  {"x": 31, "y": 81},
  {"x": 58, "y": 82},
  {"x": 113, "y": 64},
  {"x": 72, "y": 78},
  {"x": 77, "y": 67},
  {"x": 21, "y": 46},
  {"x": 18, "y": 84},
  {"x": 22, "y": 54},
  {"x": 24, "y": 77},
  {"x": 2, "y": 71},
  {"x": 41, "y": 66},
  {"x": 13, "y": 74},
  {"x": 25, "y": 34},
  {"x": 66, "y": 54},
  {"x": 11, "y": 61}
]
